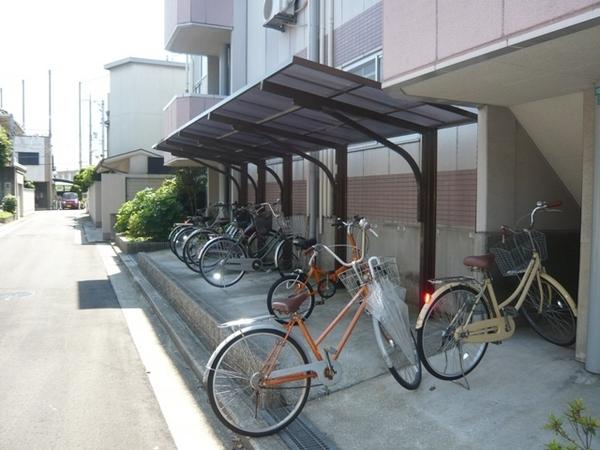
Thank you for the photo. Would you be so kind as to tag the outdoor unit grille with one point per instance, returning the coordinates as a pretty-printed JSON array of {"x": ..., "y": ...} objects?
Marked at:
[{"x": 279, "y": 13}]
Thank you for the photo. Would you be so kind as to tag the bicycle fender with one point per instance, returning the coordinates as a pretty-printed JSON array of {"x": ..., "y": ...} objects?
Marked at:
[
  {"x": 562, "y": 290},
  {"x": 226, "y": 341},
  {"x": 439, "y": 291}
]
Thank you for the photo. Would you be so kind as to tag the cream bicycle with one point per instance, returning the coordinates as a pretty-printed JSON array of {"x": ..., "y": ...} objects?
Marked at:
[
  {"x": 259, "y": 378},
  {"x": 463, "y": 315}
]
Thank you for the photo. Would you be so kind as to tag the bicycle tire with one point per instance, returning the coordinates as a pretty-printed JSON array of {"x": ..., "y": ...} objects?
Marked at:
[
  {"x": 556, "y": 321},
  {"x": 180, "y": 239},
  {"x": 286, "y": 267},
  {"x": 233, "y": 383},
  {"x": 284, "y": 288},
  {"x": 193, "y": 247},
  {"x": 465, "y": 359},
  {"x": 172, "y": 235},
  {"x": 214, "y": 255},
  {"x": 406, "y": 369}
]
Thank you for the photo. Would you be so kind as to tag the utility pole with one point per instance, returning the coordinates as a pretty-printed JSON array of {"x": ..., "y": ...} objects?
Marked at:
[
  {"x": 23, "y": 102},
  {"x": 80, "y": 148},
  {"x": 49, "y": 104},
  {"x": 90, "y": 128},
  {"x": 102, "y": 125}
]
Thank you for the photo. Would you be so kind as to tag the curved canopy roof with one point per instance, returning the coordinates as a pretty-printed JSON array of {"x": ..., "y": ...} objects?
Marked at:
[{"x": 304, "y": 107}]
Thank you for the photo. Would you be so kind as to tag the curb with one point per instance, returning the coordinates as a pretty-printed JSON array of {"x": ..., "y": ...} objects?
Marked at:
[{"x": 192, "y": 350}]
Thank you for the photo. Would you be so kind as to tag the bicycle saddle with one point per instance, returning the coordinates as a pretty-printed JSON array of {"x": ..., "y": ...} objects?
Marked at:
[
  {"x": 304, "y": 244},
  {"x": 291, "y": 304},
  {"x": 482, "y": 261}
]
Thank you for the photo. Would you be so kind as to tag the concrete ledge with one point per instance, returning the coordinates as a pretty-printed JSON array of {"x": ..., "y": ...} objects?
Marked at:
[
  {"x": 202, "y": 319},
  {"x": 128, "y": 246}
]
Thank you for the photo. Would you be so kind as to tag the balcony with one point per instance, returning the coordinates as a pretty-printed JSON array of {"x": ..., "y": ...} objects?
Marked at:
[
  {"x": 183, "y": 108},
  {"x": 198, "y": 27}
]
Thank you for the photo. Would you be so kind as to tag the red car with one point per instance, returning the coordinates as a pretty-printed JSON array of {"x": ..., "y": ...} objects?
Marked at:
[{"x": 70, "y": 200}]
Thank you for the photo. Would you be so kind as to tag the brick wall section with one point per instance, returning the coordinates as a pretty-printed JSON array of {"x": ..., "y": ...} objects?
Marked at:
[
  {"x": 394, "y": 197},
  {"x": 298, "y": 195},
  {"x": 359, "y": 36}
]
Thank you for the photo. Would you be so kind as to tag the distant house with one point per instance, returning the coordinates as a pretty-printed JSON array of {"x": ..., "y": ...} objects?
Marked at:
[
  {"x": 118, "y": 179},
  {"x": 35, "y": 153},
  {"x": 12, "y": 177}
]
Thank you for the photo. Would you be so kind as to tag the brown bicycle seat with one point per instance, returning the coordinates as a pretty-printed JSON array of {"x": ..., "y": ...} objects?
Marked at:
[
  {"x": 291, "y": 304},
  {"x": 482, "y": 261}
]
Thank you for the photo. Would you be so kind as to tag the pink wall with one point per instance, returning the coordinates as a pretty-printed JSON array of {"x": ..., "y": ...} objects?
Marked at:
[{"x": 418, "y": 34}]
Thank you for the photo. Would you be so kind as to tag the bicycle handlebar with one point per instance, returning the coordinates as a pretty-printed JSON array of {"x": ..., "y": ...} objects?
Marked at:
[{"x": 540, "y": 205}]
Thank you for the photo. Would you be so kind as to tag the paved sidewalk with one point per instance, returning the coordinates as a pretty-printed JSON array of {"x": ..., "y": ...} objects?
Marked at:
[{"x": 514, "y": 389}]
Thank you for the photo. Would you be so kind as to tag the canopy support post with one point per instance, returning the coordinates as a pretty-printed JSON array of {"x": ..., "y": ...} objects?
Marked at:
[
  {"x": 286, "y": 194},
  {"x": 428, "y": 211}
]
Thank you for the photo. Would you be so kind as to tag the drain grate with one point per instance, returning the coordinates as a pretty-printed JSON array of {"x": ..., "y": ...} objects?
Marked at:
[{"x": 302, "y": 434}]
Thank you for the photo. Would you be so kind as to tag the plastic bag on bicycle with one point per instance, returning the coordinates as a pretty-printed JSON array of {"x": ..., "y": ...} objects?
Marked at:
[{"x": 386, "y": 302}]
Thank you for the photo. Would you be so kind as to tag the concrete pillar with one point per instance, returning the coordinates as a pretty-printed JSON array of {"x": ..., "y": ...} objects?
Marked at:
[
  {"x": 224, "y": 70},
  {"x": 496, "y": 156},
  {"x": 314, "y": 18},
  {"x": 212, "y": 75},
  {"x": 213, "y": 191},
  {"x": 592, "y": 361},
  {"x": 587, "y": 189}
]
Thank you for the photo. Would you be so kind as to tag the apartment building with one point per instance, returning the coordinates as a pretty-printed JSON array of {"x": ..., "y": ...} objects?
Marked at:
[
  {"x": 528, "y": 69},
  {"x": 35, "y": 154}
]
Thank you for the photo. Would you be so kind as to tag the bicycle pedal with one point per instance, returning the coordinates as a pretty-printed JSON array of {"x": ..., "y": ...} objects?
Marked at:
[
  {"x": 510, "y": 311},
  {"x": 497, "y": 342},
  {"x": 320, "y": 302}
]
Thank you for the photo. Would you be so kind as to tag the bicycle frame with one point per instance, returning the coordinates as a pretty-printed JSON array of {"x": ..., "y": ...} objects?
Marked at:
[
  {"x": 500, "y": 326},
  {"x": 320, "y": 366}
]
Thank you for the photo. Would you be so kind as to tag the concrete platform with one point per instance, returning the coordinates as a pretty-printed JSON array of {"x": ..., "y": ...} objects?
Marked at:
[{"x": 514, "y": 389}]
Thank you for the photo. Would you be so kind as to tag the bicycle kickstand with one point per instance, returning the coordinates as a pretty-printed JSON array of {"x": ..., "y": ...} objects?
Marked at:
[{"x": 465, "y": 384}]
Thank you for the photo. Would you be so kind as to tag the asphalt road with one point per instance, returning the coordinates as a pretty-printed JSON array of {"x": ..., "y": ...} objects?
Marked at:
[{"x": 70, "y": 374}]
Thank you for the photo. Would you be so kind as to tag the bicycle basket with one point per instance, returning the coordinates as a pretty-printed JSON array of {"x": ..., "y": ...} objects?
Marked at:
[
  {"x": 284, "y": 224},
  {"x": 263, "y": 222},
  {"x": 514, "y": 255},
  {"x": 355, "y": 277}
]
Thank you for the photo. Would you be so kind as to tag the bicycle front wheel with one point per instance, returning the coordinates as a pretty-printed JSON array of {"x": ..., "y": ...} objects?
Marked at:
[
  {"x": 549, "y": 312},
  {"x": 443, "y": 355},
  {"x": 192, "y": 248},
  {"x": 238, "y": 383},
  {"x": 180, "y": 239},
  {"x": 216, "y": 262},
  {"x": 404, "y": 365},
  {"x": 286, "y": 257},
  {"x": 287, "y": 287}
]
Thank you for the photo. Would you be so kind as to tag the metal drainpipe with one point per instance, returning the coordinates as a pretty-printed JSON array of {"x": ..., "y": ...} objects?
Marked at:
[
  {"x": 314, "y": 23},
  {"x": 592, "y": 360}
]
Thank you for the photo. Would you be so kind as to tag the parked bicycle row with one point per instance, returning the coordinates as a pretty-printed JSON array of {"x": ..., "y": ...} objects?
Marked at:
[{"x": 258, "y": 379}]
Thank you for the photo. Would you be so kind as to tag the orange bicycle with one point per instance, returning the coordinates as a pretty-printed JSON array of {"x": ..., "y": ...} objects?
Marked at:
[
  {"x": 298, "y": 282},
  {"x": 259, "y": 378}
]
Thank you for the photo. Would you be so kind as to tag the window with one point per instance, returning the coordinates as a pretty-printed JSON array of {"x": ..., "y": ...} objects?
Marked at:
[
  {"x": 29, "y": 158},
  {"x": 368, "y": 67}
]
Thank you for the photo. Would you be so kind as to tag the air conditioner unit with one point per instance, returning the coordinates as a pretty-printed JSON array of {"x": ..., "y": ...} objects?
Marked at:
[{"x": 279, "y": 13}]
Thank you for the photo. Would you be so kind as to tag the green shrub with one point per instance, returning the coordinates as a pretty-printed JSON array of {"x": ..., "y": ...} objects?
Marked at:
[
  {"x": 580, "y": 432},
  {"x": 151, "y": 213},
  {"x": 9, "y": 203},
  {"x": 29, "y": 184}
]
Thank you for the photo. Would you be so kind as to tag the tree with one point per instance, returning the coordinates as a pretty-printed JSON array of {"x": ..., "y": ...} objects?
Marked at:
[
  {"x": 191, "y": 184},
  {"x": 5, "y": 148},
  {"x": 84, "y": 178}
]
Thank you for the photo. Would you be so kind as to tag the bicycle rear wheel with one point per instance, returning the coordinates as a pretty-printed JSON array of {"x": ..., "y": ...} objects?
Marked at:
[
  {"x": 443, "y": 355},
  {"x": 287, "y": 287},
  {"x": 238, "y": 388},
  {"x": 549, "y": 313},
  {"x": 405, "y": 368},
  {"x": 214, "y": 258}
]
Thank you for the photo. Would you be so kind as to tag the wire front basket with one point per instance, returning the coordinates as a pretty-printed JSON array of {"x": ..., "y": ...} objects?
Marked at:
[
  {"x": 383, "y": 269},
  {"x": 285, "y": 225},
  {"x": 513, "y": 256}
]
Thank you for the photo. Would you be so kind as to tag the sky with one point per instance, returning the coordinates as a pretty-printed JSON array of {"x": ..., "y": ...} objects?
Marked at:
[{"x": 74, "y": 39}]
